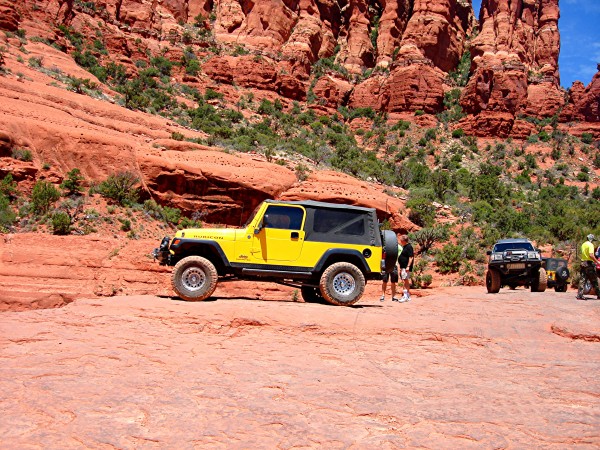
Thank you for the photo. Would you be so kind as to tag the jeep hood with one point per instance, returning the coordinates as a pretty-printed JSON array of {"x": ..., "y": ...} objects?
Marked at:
[{"x": 221, "y": 234}]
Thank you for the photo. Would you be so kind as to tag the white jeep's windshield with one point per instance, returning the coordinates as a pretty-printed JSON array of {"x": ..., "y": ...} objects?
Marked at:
[{"x": 504, "y": 246}]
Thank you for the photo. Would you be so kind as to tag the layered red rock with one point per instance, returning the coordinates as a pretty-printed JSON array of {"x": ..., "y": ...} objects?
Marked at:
[
  {"x": 437, "y": 31},
  {"x": 255, "y": 72},
  {"x": 584, "y": 102},
  {"x": 408, "y": 87},
  {"x": 515, "y": 63},
  {"x": 9, "y": 17}
]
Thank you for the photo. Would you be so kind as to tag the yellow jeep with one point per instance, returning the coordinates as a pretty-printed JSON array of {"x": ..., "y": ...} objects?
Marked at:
[{"x": 328, "y": 251}]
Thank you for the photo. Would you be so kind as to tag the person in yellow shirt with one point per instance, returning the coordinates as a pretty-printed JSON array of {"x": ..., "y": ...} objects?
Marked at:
[{"x": 588, "y": 267}]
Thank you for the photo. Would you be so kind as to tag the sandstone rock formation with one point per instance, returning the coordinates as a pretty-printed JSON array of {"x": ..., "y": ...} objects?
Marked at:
[
  {"x": 515, "y": 65},
  {"x": 9, "y": 17},
  {"x": 584, "y": 102},
  {"x": 412, "y": 44}
]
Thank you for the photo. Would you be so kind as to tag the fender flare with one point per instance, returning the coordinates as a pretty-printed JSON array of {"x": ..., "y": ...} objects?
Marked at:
[
  {"x": 212, "y": 251},
  {"x": 342, "y": 254}
]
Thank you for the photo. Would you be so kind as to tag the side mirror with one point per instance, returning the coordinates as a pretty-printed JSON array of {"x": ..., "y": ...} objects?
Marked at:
[
  {"x": 489, "y": 252},
  {"x": 264, "y": 223}
]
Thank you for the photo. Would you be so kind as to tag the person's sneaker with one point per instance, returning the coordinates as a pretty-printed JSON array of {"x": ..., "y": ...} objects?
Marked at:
[
  {"x": 580, "y": 297},
  {"x": 394, "y": 299},
  {"x": 382, "y": 298},
  {"x": 404, "y": 299}
]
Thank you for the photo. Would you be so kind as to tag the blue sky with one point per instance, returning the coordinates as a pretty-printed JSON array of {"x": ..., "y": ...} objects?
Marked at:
[{"x": 579, "y": 27}]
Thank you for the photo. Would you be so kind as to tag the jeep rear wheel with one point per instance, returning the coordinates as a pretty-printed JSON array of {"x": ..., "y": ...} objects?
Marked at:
[
  {"x": 492, "y": 281},
  {"x": 311, "y": 294},
  {"x": 539, "y": 282},
  {"x": 194, "y": 278},
  {"x": 342, "y": 284}
]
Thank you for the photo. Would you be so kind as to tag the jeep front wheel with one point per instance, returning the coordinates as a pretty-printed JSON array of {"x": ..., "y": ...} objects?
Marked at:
[
  {"x": 539, "y": 282},
  {"x": 194, "y": 278},
  {"x": 492, "y": 281},
  {"x": 342, "y": 284}
]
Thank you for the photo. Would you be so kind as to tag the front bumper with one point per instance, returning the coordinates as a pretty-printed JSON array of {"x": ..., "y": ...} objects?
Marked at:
[{"x": 162, "y": 253}]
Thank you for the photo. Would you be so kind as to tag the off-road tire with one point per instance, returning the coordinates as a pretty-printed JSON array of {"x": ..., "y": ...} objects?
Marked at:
[
  {"x": 539, "y": 282},
  {"x": 342, "y": 284},
  {"x": 311, "y": 294},
  {"x": 194, "y": 278},
  {"x": 560, "y": 288},
  {"x": 390, "y": 247},
  {"x": 493, "y": 281}
]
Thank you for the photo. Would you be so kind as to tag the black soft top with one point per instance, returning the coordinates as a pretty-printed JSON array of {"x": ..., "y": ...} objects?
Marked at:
[
  {"x": 338, "y": 223},
  {"x": 315, "y": 204}
]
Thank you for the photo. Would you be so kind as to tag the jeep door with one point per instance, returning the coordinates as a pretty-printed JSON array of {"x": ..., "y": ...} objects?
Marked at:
[{"x": 281, "y": 236}]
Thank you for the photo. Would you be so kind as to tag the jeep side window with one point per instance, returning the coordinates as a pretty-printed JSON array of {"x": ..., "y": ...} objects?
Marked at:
[
  {"x": 283, "y": 217},
  {"x": 339, "y": 222}
]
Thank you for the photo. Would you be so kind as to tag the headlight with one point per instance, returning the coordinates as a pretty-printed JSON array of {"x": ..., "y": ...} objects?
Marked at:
[
  {"x": 497, "y": 257},
  {"x": 533, "y": 255}
]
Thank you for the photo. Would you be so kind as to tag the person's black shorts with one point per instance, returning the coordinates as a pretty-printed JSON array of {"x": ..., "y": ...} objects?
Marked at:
[{"x": 394, "y": 274}]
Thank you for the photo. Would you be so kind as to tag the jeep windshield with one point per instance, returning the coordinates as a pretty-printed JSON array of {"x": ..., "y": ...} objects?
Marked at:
[
  {"x": 251, "y": 216},
  {"x": 504, "y": 246}
]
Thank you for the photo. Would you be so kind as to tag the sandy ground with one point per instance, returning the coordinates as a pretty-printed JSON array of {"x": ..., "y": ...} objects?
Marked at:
[{"x": 456, "y": 368}]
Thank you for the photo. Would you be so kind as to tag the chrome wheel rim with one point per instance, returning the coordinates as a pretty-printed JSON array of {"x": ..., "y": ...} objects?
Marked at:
[
  {"x": 193, "y": 278},
  {"x": 344, "y": 284}
]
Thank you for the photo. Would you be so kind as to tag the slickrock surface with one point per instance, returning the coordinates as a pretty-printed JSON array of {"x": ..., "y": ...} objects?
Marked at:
[{"x": 454, "y": 369}]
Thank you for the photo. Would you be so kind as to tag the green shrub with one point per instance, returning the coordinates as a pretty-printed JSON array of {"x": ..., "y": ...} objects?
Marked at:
[
  {"x": 121, "y": 188},
  {"x": 418, "y": 278},
  {"x": 61, "y": 223},
  {"x": 8, "y": 187},
  {"x": 43, "y": 196},
  {"x": 428, "y": 236},
  {"x": 582, "y": 176},
  {"x": 186, "y": 222},
  {"x": 192, "y": 67},
  {"x": 36, "y": 61},
  {"x": 430, "y": 134},
  {"x": 587, "y": 138},
  {"x": 165, "y": 214},
  {"x": 419, "y": 112},
  {"x": 171, "y": 215},
  {"x": 72, "y": 184},
  {"x": 125, "y": 224},
  {"x": 164, "y": 65},
  {"x": 211, "y": 94},
  {"x": 461, "y": 75},
  {"x": 448, "y": 259},
  {"x": 422, "y": 212},
  {"x": 458, "y": 133},
  {"x": 22, "y": 154},
  {"x": 7, "y": 215},
  {"x": 544, "y": 136}
]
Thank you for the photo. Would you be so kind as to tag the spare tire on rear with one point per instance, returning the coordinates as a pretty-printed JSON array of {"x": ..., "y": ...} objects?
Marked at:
[
  {"x": 390, "y": 250},
  {"x": 562, "y": 274}
]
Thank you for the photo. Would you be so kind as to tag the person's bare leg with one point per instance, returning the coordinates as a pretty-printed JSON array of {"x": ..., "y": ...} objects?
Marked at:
[{"x": 383, "y": 287}]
